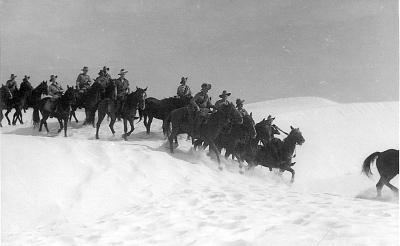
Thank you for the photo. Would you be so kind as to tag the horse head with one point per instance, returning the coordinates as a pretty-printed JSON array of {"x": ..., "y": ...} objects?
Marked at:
[
  {"x": 6, "y": 92},
  {"x": 42, "y": 88},
  {"x": 231, "y": 113},
  {"x": 69, "y": 95},
  {"x": 141, "y": 97},
  {"x": 249, "y": 125},
  {"x": 296, "y": 135}
]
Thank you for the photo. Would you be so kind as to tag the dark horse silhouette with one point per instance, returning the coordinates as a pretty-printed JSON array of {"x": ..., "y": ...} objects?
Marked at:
[
  {"x": 47, "y": 107},
  {"x": 90, "y": 101},
  {"x": 132, "y": 102},
  {"x": 26, "y": 97},
  {"x": 387, "y": 163},
  {"x": 79, "y": 103},
  {"x": 5, "y": 98},
  {"x": 160, "y": 109},
  {"x": 209, "y": 130},
  {"x": 264, "y": 157}
]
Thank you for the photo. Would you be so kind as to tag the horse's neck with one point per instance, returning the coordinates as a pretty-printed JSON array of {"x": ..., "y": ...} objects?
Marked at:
[{"x": 289, "y": 145}]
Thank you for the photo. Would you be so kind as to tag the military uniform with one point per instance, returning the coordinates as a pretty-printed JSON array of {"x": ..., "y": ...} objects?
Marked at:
[
  {"x": 221, "y": 102},
  {"x": 243, "y": 112},
  {"x": 183, "y": 91},
  {"x": 12, "y": 85},
  {"x": 122, "y": 87},
  {"x": 83, "y": 81},
  {"x": 55, "y": 90},
  {"x": 200, "y": 106}
]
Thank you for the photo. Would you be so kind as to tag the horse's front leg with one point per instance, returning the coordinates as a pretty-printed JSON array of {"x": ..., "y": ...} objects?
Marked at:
[
  {"x": 73, "y": 114},
  {"x": 6, "y": 114},
  {"x": 125, "y": 135},
  {"x": 61, "y": 124},
  {"x": 214, "y": 148},
  {"x": 112, "y": 122},
  {"x": 131, "y": 123},
  {"x": 292, "y": 171},
  {"x": 65, "y": 126}
]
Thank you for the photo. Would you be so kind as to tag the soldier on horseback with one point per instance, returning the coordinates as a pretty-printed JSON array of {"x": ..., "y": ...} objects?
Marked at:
[
  {"x": 183, "y": 90},
  {"x": 200, "y": 106},
  {"x": 224, "y": 99},
  {"x": 83, "y": 81},
  {"x": 239, "y": 106},
  {"x": 122, "y": 89},
  {"x": 55, "y": 91},
  {"x": 26, "y": 84},
  {"x": 12, "y": 84}
]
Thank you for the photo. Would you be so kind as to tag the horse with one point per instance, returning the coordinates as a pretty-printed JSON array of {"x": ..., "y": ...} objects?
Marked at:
[
  {"x": 264, "y": 157},
  {"x": 133, "y": 101},
  {"x": 47, "y": 107},
  {"x": 79, "y": 103},
  {"x": 90, "y": 101},
  {"x": 160, "y": 109},
  {"x": 387, "y": 163},
  {"x": 209, "y": 130},
  {"x": 5, "y": 97},
  {"x": 29, "y": 98}
]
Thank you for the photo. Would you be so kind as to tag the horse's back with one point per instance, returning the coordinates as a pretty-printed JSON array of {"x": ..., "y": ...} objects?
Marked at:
[{"x": 388, "y": 161}]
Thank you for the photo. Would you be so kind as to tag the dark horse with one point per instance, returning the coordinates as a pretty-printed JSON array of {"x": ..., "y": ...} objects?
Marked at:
[
  {"x": 209, "y": 130},
  {"x": 160, "y": 109},
  {"x": 5, "y": 98},
  {"x": 387, "y": 163},
  {"x": 47, "y": 107},
  {"x": 26, "y": 97},
  {"x": 132, "y": 102},
  {"x": 79, "y": 103},
  {"x": 264, "y": 157},
  {"x": 90, "y": 100}
]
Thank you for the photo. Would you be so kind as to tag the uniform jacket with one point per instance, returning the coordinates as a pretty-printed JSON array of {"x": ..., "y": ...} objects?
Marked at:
[
  {"x": 12, "y": 85},
  {"x": 183, "y": 91},
  {"x": 83, "y": 81},
  {"x": 122, "y": 86},
  {"x": 55, "y": 90}
]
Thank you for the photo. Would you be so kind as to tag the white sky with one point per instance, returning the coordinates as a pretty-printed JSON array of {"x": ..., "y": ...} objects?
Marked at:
[{"x": 258, "y": 50}]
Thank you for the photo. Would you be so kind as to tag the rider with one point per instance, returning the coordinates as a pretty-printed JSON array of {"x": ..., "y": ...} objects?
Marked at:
[
  {"x": 272, "y": 141},
  {"x": 224, "y": 99},
  {"x": 12, "y": 84},
  {"x": 104, "y": 80},
  {"x": 26, "y": 84},
  {"x": 83, "y": 81},
  {"x": 122, "y": 89},
  {"x": 183, "y": 90},
  {"x": 55, "y": 91},
  {"x": 200, "y": 105},
  {"x": 239, "y": 106}
]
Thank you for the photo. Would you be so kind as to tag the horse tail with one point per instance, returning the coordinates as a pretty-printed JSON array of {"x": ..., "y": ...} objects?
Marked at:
[
  {"x": 35, "y": 116},
  {"x": 167, "y": 126},
  {"x": 366, "y": 168},
  {"x": 140, "y": 113}
]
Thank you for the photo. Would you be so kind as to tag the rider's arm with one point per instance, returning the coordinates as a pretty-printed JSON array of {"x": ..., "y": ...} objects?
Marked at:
[
  {"x": 77, "y": 81},
  {"x": 193, "y": 101}
]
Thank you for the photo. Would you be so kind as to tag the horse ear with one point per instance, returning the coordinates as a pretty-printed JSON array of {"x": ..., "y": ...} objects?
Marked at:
[
  {"x": 291, "y": 127},
  {"x": 251, "y": 114},
  {"x": 145, "y": 88},
  {"x": 137, "y": 88}
]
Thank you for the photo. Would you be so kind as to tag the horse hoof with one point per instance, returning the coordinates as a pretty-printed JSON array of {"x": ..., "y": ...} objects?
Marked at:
[
  {"x": 220, "y": 168},
  {"x": 241, "y": 172}
]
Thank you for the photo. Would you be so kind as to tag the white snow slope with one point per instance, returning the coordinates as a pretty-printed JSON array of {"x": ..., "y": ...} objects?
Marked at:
[{"x": 82, "y": 191}]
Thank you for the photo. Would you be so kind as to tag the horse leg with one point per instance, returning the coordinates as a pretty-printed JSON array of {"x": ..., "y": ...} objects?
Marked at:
[
  {"x": 171, "y": 141},
  {"x": 392, "y": 187},
  {"x": 65, "y": 126},
  {"x": 148, "y": 125},
  {"x": 61, "y": 124},
  {"x": 73, "y": 114},
  {"x": 132, "y": 126},
  {"x": 6, "y": 114},
  {"x": 125, "y": 130},
  {"x": 112, "y": 122},
  {"x": 214, "y": 148},
  {"x": 44, "y": 122},
  {"x": 99, "y": 120},
  {"x": 379, "y": 187},
  {"x": 292, "y": 171}
]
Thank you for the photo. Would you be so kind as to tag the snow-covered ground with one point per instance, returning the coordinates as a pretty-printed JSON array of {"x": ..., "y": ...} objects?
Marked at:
[{"x": 82, "y": 191}]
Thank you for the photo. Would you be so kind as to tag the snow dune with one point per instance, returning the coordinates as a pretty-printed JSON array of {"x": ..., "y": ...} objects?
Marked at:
[{"x": 82, "y": 191}]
